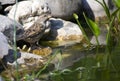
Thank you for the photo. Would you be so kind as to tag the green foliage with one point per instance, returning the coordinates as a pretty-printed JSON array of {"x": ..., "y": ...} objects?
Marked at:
[
  {"x": 48, "y": 62},
  {"x": 104, "y": 5},
  {"x": 102, "y": 67},
  {"x": 93, "y": 26},
  {"x": 112, "y": 42},
  {"x": 117, "y": 3}
]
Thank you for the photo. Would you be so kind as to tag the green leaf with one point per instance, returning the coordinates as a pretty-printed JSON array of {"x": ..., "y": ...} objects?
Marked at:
[
  {"x": 93, "y": 26},
  {"x": 117, "y": 3}
]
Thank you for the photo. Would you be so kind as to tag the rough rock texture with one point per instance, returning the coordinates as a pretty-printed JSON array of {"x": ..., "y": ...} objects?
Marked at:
[
  {"x": 7, "y": 27},
  {"x": 3, "y": 45},
  {"x": 64, "y": 30},
  {"x": 65, "y": 8}
]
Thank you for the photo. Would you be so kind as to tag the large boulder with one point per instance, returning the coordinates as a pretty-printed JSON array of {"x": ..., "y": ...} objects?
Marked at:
[
  {"x": 94, "y": 9},
  {"x": 59, "y": 8},
  {"x": 64, "y": 8}
]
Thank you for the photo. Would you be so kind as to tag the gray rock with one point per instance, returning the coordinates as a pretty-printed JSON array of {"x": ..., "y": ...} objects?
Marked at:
[
  {"x": 94, "y": 9},
  {"x": 59, "y": 8},
  {"x": 3, "y": 45},
  {"x": 24, "y": 56},
  {"x": 64, "y": 8},
  {"x": 7, "y": 27},
  {"x": 6, "y": 54},
  {"x": 10, "y": 57},
  {"x": 64, "y": 30},
  {"x": 4, "y": 2}
]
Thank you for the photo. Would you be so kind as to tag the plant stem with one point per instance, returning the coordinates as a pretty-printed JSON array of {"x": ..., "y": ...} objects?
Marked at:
[{"x": 14, "y": 40}]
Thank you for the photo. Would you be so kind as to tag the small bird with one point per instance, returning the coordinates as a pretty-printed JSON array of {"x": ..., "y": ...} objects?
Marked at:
[{"x": 35, "y": 32}]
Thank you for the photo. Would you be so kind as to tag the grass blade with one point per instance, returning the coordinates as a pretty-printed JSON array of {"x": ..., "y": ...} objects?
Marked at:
[{"x": 105, "y": 8}]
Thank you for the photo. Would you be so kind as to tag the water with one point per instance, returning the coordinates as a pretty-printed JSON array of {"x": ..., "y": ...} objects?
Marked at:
[{"x": 81, "y": 64}]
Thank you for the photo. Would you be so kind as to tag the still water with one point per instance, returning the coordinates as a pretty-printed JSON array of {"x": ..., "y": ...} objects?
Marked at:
[{"x": 79, "y": 63}]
